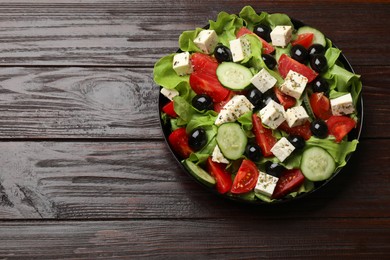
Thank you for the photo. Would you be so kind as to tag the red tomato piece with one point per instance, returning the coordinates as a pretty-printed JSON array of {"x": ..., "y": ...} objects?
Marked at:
[
  {"x": 178, "y": 139},
  {"x": 304, "y": 39},
  {"x": 219, "y": 106},
  {"x": 266, "y": 49},
  {"x": 285, "y": 100},
  {"x": 246, "y": 177},
  {"x": 205, "y": 83},
  {"x": 221, "y": 175},
  {"x": 289, "y": 181},
  {"x": 301, "y": 130},
  {"x": 169, "y": 109},
  {"x": 340, "y": 126},
  {"x": 264, "y": 137},
  {"x": 286, "y": 63},
  {"x": 320, "y": 105},
  {"x": 204, "y": 63}
]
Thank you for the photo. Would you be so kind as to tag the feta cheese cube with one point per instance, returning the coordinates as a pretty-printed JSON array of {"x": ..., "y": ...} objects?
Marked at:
[
  {"x": 206, "y": 40},
  {"x": 294, "y": 84},
  {"x": 282, "y": 149},
  {"x": 182, "y": 63},
  {"x": 281, "y": 35},
  {"x": 263, "y": 81},
  {"x": 296, "y": 116},
  {"x": 272, "y": 115},
  {"x": 233, "y": 109},
  {"x": 217, "y": 156},
  {"x": 266, "y": 184},
  {"x": 240, "y": 49},
  {"x": 169, "y": 93},
  {"x": 342, "y": 105}
]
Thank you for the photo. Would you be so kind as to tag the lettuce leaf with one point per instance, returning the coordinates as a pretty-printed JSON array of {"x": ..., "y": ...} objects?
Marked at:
[
  {"x": 226, "y": 26},
  {"x": 164, "y": 74},
  {"x": 186, "y": 40},
  {"x": 251, "y": 18},
  {"x": 279, "y": 19}
]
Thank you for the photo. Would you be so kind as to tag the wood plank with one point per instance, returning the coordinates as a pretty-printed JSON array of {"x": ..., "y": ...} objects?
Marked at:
[
  {"x": 78, "y": 103},
  {"x": 230, "y": 238},
  {"x": 100, "y": 180},
  {"x": 47, "y": 103},
  {"x": 129, "y": 33}
]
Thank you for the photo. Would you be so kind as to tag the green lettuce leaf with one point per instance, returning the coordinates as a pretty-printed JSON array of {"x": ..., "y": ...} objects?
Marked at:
[
  {"x": 164, "y": 74},
  {"x": 226, "y": 26},
  {"x": 279, "y": 19},
  {"x": 186, "y": 40},
  {"x": 251, "y": 18}
]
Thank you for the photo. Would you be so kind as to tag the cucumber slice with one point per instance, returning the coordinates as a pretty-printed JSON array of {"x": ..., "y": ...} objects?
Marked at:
[
  {"x": 306, "y": 103},
  {"x": 318, "y": 36},
  {"x": 317, "y": 164},
  {"x": 231, "y": 140},
  {"x": 234, "y": 76},
  {"x": 199, "y": 173}
]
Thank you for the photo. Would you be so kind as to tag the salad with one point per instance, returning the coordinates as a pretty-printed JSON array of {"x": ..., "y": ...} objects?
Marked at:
[{"x": 258, "y": 106}]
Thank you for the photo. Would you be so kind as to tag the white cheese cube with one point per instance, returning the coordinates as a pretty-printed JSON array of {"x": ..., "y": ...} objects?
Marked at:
[
  {"x": 266, "y": 184},
  {"x": 182, "y": 63},
  {"x": 294, "y": 84},
  {"x": 240, "y": 49},
  {"x": 281, "y": 35},
  {"x": 233, "y": 109},
  {"x": 169, "y": 93},
  {"x": 342, "y": 105},
  {"x": 263, "y": 81},
  {"x": 206, "y": 40},
  {"x": 282, "y": 149},
  {"x": 272, "y": 115},
  {"x": 217, "y": 156},
  {"x": 296, "y": 116}
]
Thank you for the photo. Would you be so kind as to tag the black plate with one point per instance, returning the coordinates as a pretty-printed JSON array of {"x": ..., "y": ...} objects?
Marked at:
[{"x": 354, "y": 134}]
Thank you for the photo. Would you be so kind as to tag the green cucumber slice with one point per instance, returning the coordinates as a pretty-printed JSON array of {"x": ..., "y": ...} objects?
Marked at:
[
  {"x": 317, "y": 164},
  {"x": 306, "y": 104},
  {"x": 234, "y": 76},
  {"x": 231, "y": 140},
  {"x": 319, "y": 37},
  {"x": 199, "y": 173}
]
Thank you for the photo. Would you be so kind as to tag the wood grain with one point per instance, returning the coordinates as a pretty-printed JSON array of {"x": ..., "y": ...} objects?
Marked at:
[
  {"x": 178, "y": 239},
  {"x": 70, "y": 180},
  {"x": 127, "y": 33}
]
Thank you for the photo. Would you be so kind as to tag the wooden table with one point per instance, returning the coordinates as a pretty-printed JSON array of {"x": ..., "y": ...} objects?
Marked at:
[{"x": 86, "y": 173}]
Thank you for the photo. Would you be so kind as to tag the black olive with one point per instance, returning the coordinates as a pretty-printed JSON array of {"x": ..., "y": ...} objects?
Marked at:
[
  {"x": 299, "y": 53},
  {"x": 203, "y": 102},
  {"x": 197, "y": 139},
  {"x": 319, "y": 128},
  {"x": 255, "y": 97},
  {"x": 316, "y": 49},
  {"x": 253, "y": 152},
  {"x": 318, "y": 62},
  {"x": 296, "y": 140},
  {"x": 320, "y": 85},
  {"x": 263, "y": 31},
  {"x": 274, "y": 169},
  {"x": 222, "y": 53},
  {"x": 269, "y": 61},
  {"x": 268, "y": 96}
]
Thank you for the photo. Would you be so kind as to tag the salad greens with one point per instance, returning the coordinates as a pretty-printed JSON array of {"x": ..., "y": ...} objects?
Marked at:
[{"x": 341, "y": 81}]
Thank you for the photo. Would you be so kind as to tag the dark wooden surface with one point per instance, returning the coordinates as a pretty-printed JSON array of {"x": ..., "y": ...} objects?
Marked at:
[{"x": 85, "y": 172}]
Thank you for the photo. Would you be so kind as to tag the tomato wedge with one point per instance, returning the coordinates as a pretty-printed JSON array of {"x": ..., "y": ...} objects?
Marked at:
[
  {"x": 340, "y": 126},
  {"x": 264, "y": 137},
  {"x": 204, "y": 63},
  {"x": 206, "y": 83},
  {"x": 289, "y": 181},
  {"x": 286, "y": 63},
  {"x": 178, "y": 139},
  {"x": 169, "y": 109},
  {"x": 266, "y": 49},
  {"x": 320, "y": 105},
  {"x": 301, "y": 130},
  {"x": 304, "y": 39},
  {"x": 246, "y": 177},
  {"x": 285, "y": 100},
  {"x": 223, "y": 177}
]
